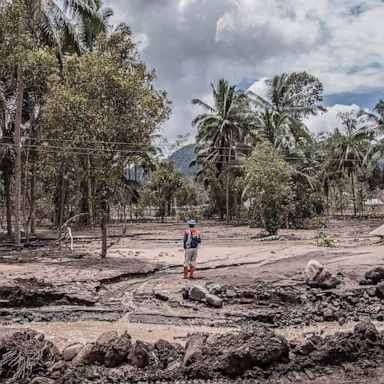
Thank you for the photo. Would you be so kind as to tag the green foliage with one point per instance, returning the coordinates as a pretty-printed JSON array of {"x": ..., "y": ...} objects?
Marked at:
[
  {"x": 107, "y": 109},
  {"x": 162, "y": 187},
  {"x": 186, "y": 196},
  {"x": 268, "y": 178}
]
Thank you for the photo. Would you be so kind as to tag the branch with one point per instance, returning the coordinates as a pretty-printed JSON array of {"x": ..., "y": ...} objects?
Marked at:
[{"x": 119, "y": 239}]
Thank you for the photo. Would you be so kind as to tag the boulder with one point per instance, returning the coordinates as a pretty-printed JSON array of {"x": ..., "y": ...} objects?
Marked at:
[
  {"x": 107, "y": 338},
  {"x": 214, "y": 289},
  {"x": 374, "y": 276},
  {"x": 194, "y": 348},
  {"x": 117, "y": 351},
  {"x": 141, "y": 354},
  {"x": 230, "y": 293},
  {"x": 167, "y": 353},
  {"x": 89, "y": 355},
  {"x": 308, "y": 346},
  {"x": 366, "y": 331},
  {"x": 197, "y": 293},
  {"x": 213, "y": 301},
  {"x": 380, "y": 290},
  {"x": 318, "y": 277},
  {"x": 71, "y": 351},
  {"x": 234, "y": 353}
]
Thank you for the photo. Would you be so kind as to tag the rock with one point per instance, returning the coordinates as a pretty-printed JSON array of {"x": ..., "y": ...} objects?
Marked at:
[
  {"x": 230, "y": 293},
  {"x": 198, "y": 293},
  {"x": 262, "y": 316},
  {"x": 342, "y": 321},
  {"x": 70, "y": 352},
  {"x": 167, "y": 353},
  {"x": 366, "y": 330},
  {"x": 213, "y": 301},
  {"x": 380, "y": 290},
  {"x": 139, "y": 356},
  {"x": 89, "y": 355},
  {"x": 194, "y": 348},
  {"x": 185, "y": 293},
  {"x": 214, "y": 289},
  {"x": 105, "y": 339},
  {"x": 117, "y": 351},
  {"x": 308, "y": 346},
  {"x": 161, "y": 297},
  {"x": 318, "y": 277},
  {"x": 233, "y": 353},
  {"x": 374, "y": 276},
  {"x": 328, "y": 314},
  {"x": 314, "y": 270}
]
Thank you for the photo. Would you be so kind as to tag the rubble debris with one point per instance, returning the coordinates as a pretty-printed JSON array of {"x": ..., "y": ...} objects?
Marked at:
[{"x": 255, "y": 353}]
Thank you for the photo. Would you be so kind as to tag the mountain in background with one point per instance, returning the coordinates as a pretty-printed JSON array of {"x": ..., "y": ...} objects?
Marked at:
[{"x": 183, "y": 157}]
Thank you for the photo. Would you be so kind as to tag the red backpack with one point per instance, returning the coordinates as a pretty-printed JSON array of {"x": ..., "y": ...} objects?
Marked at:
[{"x": 195, "y": 237}]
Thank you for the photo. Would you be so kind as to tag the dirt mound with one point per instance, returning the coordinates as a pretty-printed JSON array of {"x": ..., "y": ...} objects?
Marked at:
[
  {"x": 208, "y": 356},
  {"x": 255, "y": 353}
]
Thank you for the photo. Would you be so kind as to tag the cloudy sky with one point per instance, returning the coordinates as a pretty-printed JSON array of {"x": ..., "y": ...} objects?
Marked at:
[{"x": 192, "y": 43}]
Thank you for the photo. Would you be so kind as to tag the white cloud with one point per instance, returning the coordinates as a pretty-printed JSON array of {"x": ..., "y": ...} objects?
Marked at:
[
  {"x": 192, "y": 43},
  {"x": 328, "y": 121},
  {"x": 142, "y": 41}
]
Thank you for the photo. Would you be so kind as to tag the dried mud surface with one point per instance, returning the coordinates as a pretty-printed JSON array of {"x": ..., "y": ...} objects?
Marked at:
[{"x": 138, "y": 289}]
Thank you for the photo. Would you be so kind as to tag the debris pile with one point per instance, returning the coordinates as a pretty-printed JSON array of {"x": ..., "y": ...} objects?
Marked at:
[{"x": 252, "y": 353}]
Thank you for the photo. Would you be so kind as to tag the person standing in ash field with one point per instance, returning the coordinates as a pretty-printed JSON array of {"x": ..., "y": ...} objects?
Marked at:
[{"x": 192, "y": 240}]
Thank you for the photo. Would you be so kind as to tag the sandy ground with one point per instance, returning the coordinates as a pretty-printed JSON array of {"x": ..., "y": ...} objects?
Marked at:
[{"x": 149, "y": 261}]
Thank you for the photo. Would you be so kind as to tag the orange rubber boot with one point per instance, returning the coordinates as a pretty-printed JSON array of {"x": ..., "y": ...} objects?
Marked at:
[
  {"x": 185, "y": 272},
  {"x": 191, "y": 272}
]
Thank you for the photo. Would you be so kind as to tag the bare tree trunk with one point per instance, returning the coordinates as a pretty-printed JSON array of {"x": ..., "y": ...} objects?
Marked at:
[
  {"x": 89, "y": 187},
  {"x": 227, "y": 181},
  {"x": 8, "y": 204},
  {"x": 353, "y": 195},
  {"x": 341, "y": 202},
  {"x": 26, "y": 219},
  {"x": 62, "y": 206},
  {"x": 103, "y": 227},
  {"x": 33, "y": 199},
  {"x": 78, "y": 189},
  {"x": 19, "y": 110}
]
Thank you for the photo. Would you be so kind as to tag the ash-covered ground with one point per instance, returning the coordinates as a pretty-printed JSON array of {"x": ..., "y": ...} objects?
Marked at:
[{"x": 249, "y": 315}]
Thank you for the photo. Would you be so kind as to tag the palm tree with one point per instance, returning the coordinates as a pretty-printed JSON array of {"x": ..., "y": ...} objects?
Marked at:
[
  {"x": 351, "y": 150},
  {"x": 48, "y": 23},
  {"x": 220, "y": 128},
  {"x": 91, "y": 27}
]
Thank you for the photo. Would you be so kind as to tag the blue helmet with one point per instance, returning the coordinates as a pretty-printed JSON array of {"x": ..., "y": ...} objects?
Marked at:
[{"x": 191, "y": 222}]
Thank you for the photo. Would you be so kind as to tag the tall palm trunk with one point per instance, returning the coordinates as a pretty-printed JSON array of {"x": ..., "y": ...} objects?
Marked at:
[
  {"x": 353, "y": 195},
  {"x": 103, "y": 227},
  {"x": 19, "y": 110},
  {"x": 33, "y": 199},
  {"x": 8, "y": 204},
  {"x": 227, "y": 184},
  {"x": 62, "y": 206}
]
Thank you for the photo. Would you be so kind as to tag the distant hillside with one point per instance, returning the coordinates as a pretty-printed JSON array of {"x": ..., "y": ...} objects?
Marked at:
[{"x": 183, "y": 157}]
